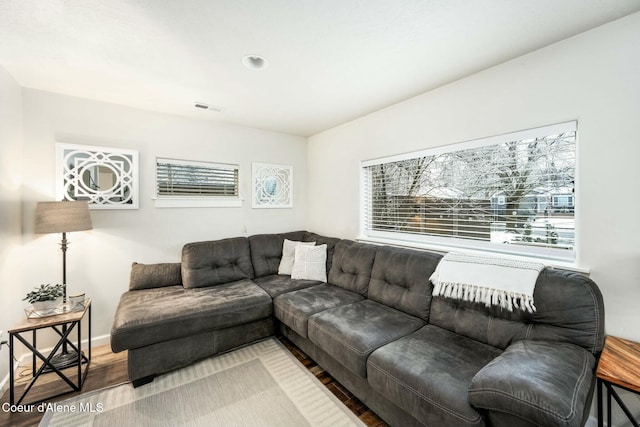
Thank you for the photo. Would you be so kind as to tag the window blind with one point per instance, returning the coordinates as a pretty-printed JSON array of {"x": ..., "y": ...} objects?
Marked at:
[
  {"x": 513, "y": 193},
  {"x": 196, "y": 179}
]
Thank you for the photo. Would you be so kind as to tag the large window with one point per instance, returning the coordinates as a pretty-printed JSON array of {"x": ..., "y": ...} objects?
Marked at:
[
  {"x": 511, "y": 193},
  {"x": 192, "y": 183}
]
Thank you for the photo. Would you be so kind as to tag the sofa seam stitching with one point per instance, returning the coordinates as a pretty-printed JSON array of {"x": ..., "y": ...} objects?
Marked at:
[
  {"x": 422, "y": 395},
  {"x": 532, "y": 405},
  {"x": 321, "y": 328},
  {"x": 595, "y": 336}
]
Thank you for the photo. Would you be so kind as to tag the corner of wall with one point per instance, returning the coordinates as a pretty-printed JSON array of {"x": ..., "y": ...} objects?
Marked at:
[{"x": 11, "y": 143}]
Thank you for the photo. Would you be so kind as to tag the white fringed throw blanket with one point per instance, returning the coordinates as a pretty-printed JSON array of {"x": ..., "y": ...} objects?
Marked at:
[{"x": 494, "y": 281}]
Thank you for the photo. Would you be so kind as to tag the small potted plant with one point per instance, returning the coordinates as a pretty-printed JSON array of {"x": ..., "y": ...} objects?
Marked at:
[{"x": 45, "y": 297}]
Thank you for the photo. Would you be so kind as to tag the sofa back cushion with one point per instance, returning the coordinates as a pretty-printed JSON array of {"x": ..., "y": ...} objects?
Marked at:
[
  {"x": 146, "y": 276},
  {"x": 266, "y": 251},
  {"x": 351, "y": 266},
  {"x": 216, "y": 262},
  {"x": 569, "y": 308},
  {"x": 400, "y": 279}
]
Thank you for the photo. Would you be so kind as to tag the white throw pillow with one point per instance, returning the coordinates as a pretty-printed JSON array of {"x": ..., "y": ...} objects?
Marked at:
[
  {"x": 310, "y": 263},
  {"x": 288, "y": 255}
]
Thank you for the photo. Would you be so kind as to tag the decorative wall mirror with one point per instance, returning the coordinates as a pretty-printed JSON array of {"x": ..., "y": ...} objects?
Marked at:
[
  {"x": 105, "y": 177},
  {"x": 272, "y": 186}
]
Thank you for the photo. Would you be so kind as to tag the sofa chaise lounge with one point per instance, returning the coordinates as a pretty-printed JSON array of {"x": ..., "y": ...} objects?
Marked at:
[{"x": 414, "y": 359}]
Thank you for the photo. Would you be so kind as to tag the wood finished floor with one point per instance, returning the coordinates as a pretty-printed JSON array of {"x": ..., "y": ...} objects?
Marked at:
[{"x": 108, "y": 369}]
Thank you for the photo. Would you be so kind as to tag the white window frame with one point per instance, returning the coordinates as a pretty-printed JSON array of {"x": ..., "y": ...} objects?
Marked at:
[
  {"x": 560, "y": 257},
  {"x": 179, "y": 201}
]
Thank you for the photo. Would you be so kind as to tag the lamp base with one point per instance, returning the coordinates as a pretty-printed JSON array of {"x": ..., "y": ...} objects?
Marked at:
[{"x": 64, "y": 360}]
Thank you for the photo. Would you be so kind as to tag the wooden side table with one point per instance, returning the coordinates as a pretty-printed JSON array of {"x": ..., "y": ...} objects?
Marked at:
[
  {"x": 619, "y": 366},
  {"x": 72, "y": 320}
]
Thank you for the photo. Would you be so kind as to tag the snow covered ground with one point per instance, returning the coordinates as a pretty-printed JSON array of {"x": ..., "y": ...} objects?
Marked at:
[{"x": 564, "y": 227}]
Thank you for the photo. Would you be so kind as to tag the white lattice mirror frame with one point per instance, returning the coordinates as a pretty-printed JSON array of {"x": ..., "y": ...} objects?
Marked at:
[
  {"x": 272, "y": 186},
  {"x": 107, "y": 178}
]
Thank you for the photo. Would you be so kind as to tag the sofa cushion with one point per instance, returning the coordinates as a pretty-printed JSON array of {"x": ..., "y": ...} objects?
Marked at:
[
  {"x": 400, "y": 279},
  {"x": 289, "y": 255},
  {"x": 322, "y": 240},
  {"x": 569, "y": 309},
  {"x": 546, "y": 383},
  {"x": 351, "y": 332},
  {"x": 310, "y": 263},
  {"x": 266, "y": 251},
  {"x": 154, "y": 315},
  {"x": 294, "y": 308},
  {"x": 428, "y": 373},
  {"x": 351, "y": 266},
  {"x": 216, "y": 262},
  {"x": 277, "y": 284},
  {"x": 146, "y": 276}
]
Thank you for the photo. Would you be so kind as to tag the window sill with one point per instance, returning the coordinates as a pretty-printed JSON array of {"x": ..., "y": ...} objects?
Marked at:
[
  {"x": 197, "y": 202},
  {"x": 566, "y": 265}
]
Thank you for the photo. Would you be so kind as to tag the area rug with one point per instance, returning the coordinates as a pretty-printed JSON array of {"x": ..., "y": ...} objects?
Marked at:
[{"x": 259, "y": 385}]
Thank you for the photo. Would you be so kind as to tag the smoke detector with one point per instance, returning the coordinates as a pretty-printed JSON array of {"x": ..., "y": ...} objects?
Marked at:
[{"x": 255, "y": 62}]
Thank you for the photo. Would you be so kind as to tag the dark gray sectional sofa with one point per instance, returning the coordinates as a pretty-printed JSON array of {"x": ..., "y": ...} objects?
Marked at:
[{"x": 412, "y": 358}]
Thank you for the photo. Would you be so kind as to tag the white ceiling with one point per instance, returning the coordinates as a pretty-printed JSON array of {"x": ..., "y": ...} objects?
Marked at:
[{"x": 330, "y": 61}]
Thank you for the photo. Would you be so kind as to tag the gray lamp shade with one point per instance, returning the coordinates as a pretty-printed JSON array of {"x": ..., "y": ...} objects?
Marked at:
[{"x": 62, "y": 217}]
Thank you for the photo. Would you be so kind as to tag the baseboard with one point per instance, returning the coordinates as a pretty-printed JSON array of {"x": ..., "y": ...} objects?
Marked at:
[
  {"x": 98, "y": 341},
  {"x": 4, "y": 384},
  {"x": 95, "y": 342},
  {"x": 591, "y": 422}
]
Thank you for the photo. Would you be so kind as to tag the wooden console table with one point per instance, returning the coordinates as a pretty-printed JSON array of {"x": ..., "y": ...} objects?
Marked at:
[
  {"x": 68, "y": 322},
  {"x": 619, "y": 366}
]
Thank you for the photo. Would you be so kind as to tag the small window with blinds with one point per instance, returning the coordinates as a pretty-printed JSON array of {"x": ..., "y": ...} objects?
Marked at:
[
  {"x": 194, "y": 183},
  {"x": 511, "y": 193}
]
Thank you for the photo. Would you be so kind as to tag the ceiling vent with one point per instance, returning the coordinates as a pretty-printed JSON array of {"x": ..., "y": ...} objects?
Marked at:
[{"x": 210, "y": 107}]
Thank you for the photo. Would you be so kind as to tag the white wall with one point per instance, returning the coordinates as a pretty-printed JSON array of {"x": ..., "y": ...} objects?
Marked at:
[
  {"x": 592, "y": 78},
  {"x": 10, "y": 209},
  {"x": 99, "y": 260}
]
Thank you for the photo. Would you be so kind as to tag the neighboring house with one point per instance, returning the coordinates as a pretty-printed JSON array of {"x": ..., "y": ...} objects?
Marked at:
[{"x": 539, "y": 202}]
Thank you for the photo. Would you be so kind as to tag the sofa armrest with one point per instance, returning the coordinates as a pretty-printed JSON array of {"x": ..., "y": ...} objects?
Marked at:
[{"x": 543, "y": 383}]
